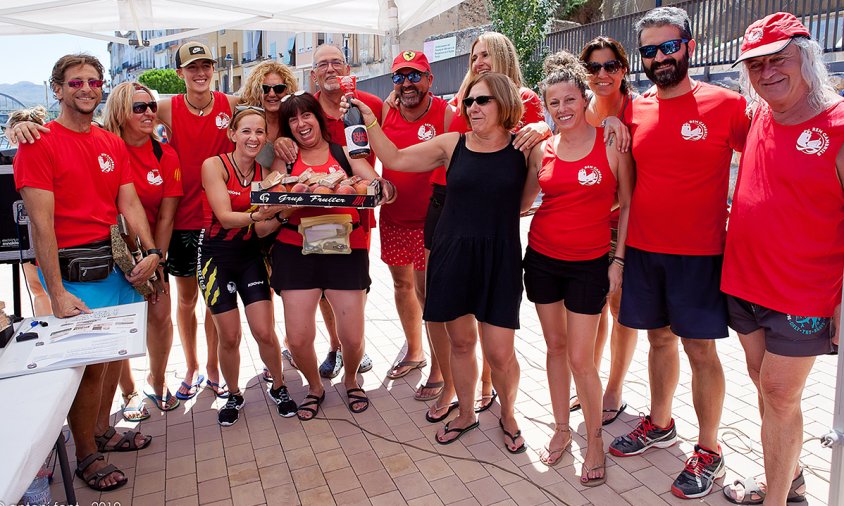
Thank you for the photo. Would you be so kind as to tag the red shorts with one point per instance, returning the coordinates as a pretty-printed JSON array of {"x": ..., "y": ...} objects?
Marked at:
[{"x": 402, "y": 246}]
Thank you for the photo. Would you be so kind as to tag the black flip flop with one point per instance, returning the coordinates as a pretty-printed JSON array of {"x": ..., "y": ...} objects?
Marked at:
[
  {"x": 487, "y": 404},
  {"x": 513, "y": 438},
  {"x": 459, "y": 431},
  {"x": 576, "y": 407},
  {"x": 436, "y": 419},
  {"x": 616, "y": 411}
]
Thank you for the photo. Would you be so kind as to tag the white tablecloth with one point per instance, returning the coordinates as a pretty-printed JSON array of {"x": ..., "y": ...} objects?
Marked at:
[{"x": 37, "y": 405}]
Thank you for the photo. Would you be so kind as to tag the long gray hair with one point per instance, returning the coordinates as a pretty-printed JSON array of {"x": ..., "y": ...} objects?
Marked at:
[{"x": 814, "y": 71}]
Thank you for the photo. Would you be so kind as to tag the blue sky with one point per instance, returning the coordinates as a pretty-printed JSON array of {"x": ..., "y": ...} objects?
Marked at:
[{"x": 33, "y": 56}]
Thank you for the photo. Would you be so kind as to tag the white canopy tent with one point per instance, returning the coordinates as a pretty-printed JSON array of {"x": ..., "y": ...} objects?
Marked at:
[{"x": 99, "y": 19}]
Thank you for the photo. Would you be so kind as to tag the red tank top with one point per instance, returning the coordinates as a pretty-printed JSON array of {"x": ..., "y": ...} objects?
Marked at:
[
  {"x": 240, "y": 202},
  {"x": 196, "y": 138},
  {"x": 785, "y": 241},
  {"x": 414, "y": 188},
  {"x": 573, "y": 222},
  {"x": 360, "y": 235}
]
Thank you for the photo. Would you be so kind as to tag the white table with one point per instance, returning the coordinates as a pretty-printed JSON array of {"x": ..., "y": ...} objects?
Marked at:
[{"x": 28, "y": 430}]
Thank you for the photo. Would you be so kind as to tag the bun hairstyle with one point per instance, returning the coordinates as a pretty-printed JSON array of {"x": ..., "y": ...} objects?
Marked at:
[{"x": 563, "y": 67}]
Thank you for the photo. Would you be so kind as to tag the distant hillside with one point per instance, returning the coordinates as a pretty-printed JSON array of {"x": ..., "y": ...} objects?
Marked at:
[{"x": 25, "y": 91}]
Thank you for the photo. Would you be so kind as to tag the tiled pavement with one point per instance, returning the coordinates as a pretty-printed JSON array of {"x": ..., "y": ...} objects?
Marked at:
[{"x": 386, "y": 456}]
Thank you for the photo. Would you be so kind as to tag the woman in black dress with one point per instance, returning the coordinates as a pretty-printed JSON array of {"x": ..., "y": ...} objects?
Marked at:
[{"x": 474, "y": 274}]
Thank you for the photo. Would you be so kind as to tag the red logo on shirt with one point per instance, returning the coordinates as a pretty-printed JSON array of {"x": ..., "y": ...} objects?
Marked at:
[
  {"x": 813, "y": 141},
  {"x": 589, "y": 176},
  {"x": 693, "y": 130},
  {"x": 222, "y": 120},
  {"x": 106, "y": 162},
  {"x": 154, "y": 177},
  {"x": 426, "y": 132}
]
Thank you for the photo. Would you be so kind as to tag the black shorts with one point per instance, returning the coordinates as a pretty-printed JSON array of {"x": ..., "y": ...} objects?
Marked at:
[
  {"x": 181, "y": 255},
  {"x": 294, "y": 271},
  {"x": 222, "y": 278},
  {"x": 785, "y": 334},
  {"x": 581, "y": 285},
  {"x": 680, "y": 291},
  {"x": 435, "y": 209}
]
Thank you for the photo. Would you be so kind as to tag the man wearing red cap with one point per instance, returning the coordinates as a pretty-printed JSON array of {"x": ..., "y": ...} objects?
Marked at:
[
  {"x": 785, "y": 245},
  {"x": 419, "y": 117}
]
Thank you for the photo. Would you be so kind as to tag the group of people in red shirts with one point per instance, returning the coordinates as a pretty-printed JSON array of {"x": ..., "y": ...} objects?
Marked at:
[{"x": 652, "y": 220}]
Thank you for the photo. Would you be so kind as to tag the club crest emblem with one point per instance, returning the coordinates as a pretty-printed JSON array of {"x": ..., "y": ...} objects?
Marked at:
[
  {"x": 754, "y": 35},
  {"x": 589, "y": 176},
  {"x": 693, "y": 130},
  {"x": 106, "y": 162},
  {"x": 154, "y": 177},
  {"x": 222, "y": 120},
  {"x": 408, "y": 55},
  {"x": 813, "y": 141},
  {"x": 426, "y": 132}
]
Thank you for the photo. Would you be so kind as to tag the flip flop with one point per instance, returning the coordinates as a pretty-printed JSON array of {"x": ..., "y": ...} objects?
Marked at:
[
  {"x": 460, "y": 433},
  {"x": 436, "y": 419},
  {"x": 163, "y": 403},
  {"x": 221, "y": 392},
  {"x": 616, "y": 412},
  {"x": 409, "y": 364},
  {"x": 286, "y": 354},
  {"x": 194, "y": 387},
  {"x": 438, "y": 385},
  {"x": 594, "y": 482},
  {"x": 486, "y": 404},
  {"x": 575, "y": 407},
  {"x": 513, "y": 437},
  {"x": 266, "y": 376}
]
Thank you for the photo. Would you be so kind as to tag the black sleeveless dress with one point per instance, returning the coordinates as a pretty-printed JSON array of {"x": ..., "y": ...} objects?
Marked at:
[{"x": 475, "y": 263}]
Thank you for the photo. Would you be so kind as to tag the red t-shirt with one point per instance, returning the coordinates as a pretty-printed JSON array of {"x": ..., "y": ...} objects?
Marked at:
[
  {"x": 239, "y": 198},
  {"x": 785, "y": 242},
  {"x": 154, "y": 180},
  {"x": 414, "y": 188},
  {"x": 196, "y": 138},
  {"x": 84, "y": 171},
  {"x": 682, "y": 147},
  {"x": 532, "y": 113},
  {"x": 573, "y": 222},
  {"x": 359, "y": 238}
]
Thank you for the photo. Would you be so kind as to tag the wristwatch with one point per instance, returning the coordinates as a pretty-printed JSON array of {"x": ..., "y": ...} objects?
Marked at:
[{"x": 155, "y": 251}]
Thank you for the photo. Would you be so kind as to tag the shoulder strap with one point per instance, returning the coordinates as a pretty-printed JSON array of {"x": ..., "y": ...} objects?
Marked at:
[
  {"x": 337, "y": 152},
  {"x": 157, "y": 150}
]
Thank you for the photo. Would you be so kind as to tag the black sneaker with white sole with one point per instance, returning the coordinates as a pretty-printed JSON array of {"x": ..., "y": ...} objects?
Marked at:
[
  {"x": 702, "y": 469},
  {"x": 645, "y": 435},
  {"x": 230, "y": 412},
  {"x": 286, "y": 406}
]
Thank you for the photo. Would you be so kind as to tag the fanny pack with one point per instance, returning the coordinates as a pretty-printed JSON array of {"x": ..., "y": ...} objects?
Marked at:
[
  {"x": 89, "y": 262},
  {"x": 326, "y": 235}
]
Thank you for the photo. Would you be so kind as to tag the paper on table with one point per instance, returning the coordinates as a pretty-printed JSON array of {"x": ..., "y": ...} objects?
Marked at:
[{"x": 102, "y": 347}]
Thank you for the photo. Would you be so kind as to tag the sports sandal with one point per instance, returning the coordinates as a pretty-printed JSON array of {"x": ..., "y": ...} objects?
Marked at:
[
  {"x": 306, "y": 406},
  {"x": 134, "y": 409},
  {"x": 437, "y": 419},
  {"x": 486, "y": 401},
  {"x": 513, "y": 437},
  {"x": 615, "y": 412},
  {"x": 357, "y": 399},
  {"x": 125, "y": 444},
  {"x": 796, "y": 493},
  {"x": 459, "y": 432},
  {"x": 436, "y": 386},
  {"x": 548, "y": 458},
  {"x": 95, "y": 479},
  {"x": 405, "y": 367},
  {"x": 192, "y": 389},
  {"x": 167, "y": 403}
]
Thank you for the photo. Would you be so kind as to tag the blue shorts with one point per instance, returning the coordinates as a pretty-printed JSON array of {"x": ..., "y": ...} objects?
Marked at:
[
  {"x": 680, "y": 291},
  {"x": 111, "y": 291}
]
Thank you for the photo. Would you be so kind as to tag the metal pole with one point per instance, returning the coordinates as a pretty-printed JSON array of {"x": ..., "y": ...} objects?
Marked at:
[{"x": 836, "y": 472}]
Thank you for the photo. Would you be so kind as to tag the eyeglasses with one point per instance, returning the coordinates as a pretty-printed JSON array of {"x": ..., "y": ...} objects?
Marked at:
[
  {"x": 612, "y": 67},
  {"x": 277, "y": 88},
  {"x": 242, "y": 108},
  {"x": 78, "y": 83},
  {"x": 414, "y": 77},
  {"x": 141, "y": 107},
  {"x": 668, "y": 47},
  {"x": 325, "y": 63},
  {"x": 480, "y": 99},
  {"x": 297, "y": 94}
]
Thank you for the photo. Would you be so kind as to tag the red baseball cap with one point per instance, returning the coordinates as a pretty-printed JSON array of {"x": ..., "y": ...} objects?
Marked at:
[
  {"x": 770, "y": 35},
  {"x": 412, "y": 60}
]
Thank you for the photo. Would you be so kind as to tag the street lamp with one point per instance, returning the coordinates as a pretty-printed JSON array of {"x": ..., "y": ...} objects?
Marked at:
[{"x": 230, "y": 66}]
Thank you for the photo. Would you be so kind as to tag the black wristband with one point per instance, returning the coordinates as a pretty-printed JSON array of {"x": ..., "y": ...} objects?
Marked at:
[
  {"x": 281, "y": 220},
  {"x": 155, "y": 251}
]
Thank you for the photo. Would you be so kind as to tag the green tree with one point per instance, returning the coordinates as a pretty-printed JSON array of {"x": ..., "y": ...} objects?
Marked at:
[
  {"x": 163, "y": 81},
  {"x": 526, "y": 23}
]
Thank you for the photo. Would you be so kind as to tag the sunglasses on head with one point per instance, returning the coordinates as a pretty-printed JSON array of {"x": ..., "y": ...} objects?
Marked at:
[
  {"x": 141, "y": 107},
  {"x": 277, "y": 88},
  {"x": 668, "y": 47},
  {"x": 612, "y": 67},
  {"x": 78, "y": 83},
  {"x": 241, "y": 108},
  {"x": 297, "y": 94},
  {"x": 414, "y": 77},
  {"x": 480, "y": 99}
]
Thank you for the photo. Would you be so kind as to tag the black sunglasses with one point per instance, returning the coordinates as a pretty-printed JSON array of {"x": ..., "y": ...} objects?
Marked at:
[
  {"x": 141, "y": 107},
  {"x": 480, "y": 99},
  {"x": 612, "y": 67},
  {"x": 413, "y": 77},
  {"x": 277, "y": 88},
  {"x": 668, "y": 47}
]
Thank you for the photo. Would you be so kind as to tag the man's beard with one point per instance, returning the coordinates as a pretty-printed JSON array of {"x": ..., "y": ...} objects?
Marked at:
[
  {"x": 412, "y": 100},
  {"x": 680, "y": 70}
]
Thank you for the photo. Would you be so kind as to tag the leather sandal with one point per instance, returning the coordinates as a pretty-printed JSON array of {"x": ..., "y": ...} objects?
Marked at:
[{"x": 94, "y": 480}]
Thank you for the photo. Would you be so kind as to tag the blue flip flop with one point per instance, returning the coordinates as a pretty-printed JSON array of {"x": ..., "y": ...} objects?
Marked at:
[
  {"x": 215, "y": 387},
  {"x": 194, "y": 386}
]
